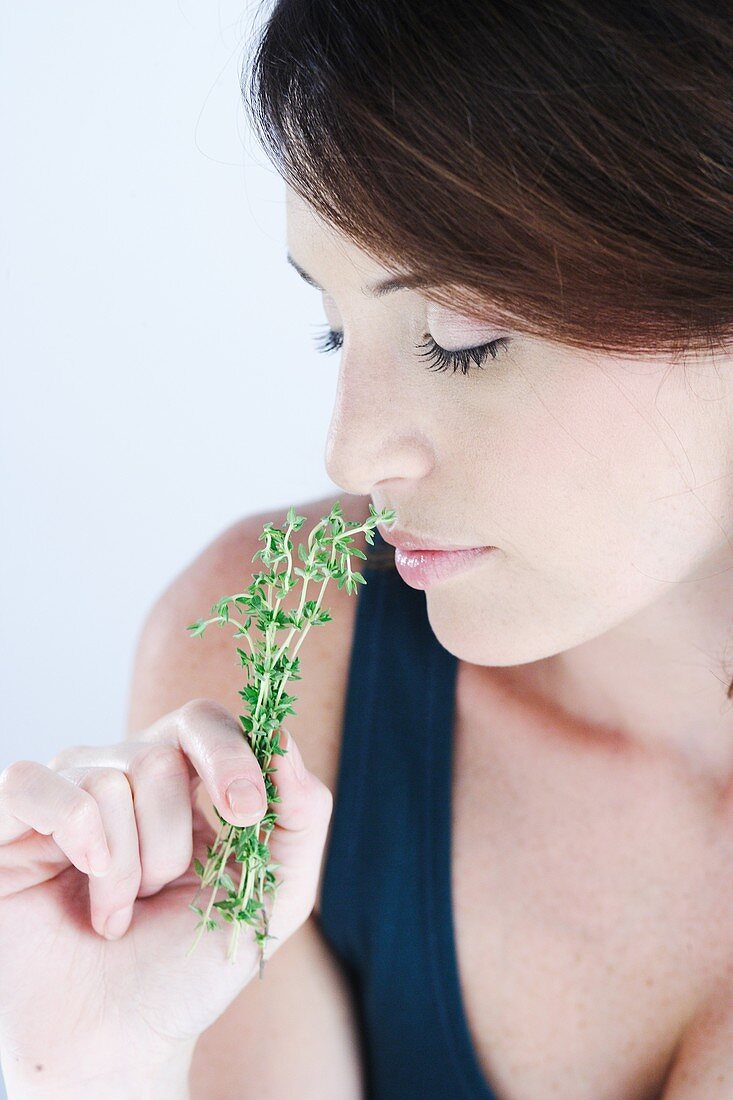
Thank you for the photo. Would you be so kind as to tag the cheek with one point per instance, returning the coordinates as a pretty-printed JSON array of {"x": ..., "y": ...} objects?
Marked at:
[
  {"x": 586, "y": 504},
  {"x": 573, "y": 467},
  {"x": 614, "y": 516}
]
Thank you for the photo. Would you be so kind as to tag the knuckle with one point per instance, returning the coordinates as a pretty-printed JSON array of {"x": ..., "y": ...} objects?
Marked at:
[
  {"x": 201, "y": 707},
  {"x": 82, "y": 814},
  {"x": 126, "y": 884},
  {"x": 161, "y": 760},
  {"x": 224, "y": 756},
  {"x": 18, "y": 773},
  {"x": 66, "y": 757},
  {"x": 107, "y": 781}
]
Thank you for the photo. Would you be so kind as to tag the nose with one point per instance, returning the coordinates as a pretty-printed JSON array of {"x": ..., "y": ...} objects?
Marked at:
[{"x": 376, "y": 432}]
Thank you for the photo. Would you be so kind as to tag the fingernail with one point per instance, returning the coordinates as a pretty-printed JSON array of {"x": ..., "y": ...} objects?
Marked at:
[
  {"x": 99, "y": 862},
  {"x": 117, "y": 924},
  {"x": 245, "y": 799}
]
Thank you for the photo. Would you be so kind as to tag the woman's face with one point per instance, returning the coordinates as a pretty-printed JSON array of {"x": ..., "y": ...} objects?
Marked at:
[{"x": 604, "y": 482}]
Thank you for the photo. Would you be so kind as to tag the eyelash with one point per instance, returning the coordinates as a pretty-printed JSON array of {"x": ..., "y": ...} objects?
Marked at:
[{"x": 460, "y": 359}]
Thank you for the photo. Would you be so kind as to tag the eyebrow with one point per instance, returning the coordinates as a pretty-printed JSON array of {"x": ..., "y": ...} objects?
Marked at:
[{"x": 376, "y": 290}]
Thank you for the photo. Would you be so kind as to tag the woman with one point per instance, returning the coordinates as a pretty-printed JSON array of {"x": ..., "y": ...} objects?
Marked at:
[{"x": 507, "y": 873}]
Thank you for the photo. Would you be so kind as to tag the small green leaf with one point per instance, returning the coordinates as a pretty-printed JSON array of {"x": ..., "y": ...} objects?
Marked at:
[{"x": 326, "y": 554}]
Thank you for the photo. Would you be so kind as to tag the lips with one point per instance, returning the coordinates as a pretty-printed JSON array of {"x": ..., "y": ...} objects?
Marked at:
[
  {"x": 408, "y": 542},
  {"x": 423, "y": 568}
]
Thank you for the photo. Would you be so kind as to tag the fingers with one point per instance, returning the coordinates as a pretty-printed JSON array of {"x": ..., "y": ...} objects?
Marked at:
[
  {"x": 161, "y": 788},
  {"x": 158, "y": 777},
  {"x": 297, "y": 788},
  {"x": 316, "y": 811},
  {"x": 214, "y": 748},
  {"x": 33, "y": 797},
  {"x": 215, "y": 745},
  {"x": 127, "y": 808},
  {"x": 115, "y": 892},
  {"x": 81, "y": 808},
  {"x": 297, "y": 843}
]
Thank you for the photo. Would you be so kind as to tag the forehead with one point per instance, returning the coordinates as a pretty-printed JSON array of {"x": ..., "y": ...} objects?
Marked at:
[
  {"x": 315, "y": 243},
  {"x": 305, "y": 227},
  {"x": 327, "y": 254}
]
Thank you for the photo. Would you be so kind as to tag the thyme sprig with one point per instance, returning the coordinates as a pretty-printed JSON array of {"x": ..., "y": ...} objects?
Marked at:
[{"x": 269, "y": 667}]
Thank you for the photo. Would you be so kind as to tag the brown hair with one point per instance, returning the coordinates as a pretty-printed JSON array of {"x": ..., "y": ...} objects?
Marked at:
[{"x": 566, "y": 166}]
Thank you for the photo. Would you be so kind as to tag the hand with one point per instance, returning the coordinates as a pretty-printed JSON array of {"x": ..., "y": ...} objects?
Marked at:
[{"x": 64, "y": 987}]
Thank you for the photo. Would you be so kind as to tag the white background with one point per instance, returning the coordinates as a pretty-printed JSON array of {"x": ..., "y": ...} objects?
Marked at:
[
  {"x": 159, "y": 379},
  {"x": 159, "y": 375}
]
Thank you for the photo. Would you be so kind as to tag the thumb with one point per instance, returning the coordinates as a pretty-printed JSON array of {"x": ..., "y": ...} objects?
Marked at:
[{"x": 304, "y": 799}]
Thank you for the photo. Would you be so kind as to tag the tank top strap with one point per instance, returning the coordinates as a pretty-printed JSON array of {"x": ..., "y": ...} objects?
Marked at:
[
  {"x": 386, "y": 907},
  {"x": 383, "y": 745}
]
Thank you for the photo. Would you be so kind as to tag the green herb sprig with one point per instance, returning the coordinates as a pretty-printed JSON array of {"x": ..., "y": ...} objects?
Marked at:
[{"x": 269, "y": 668}]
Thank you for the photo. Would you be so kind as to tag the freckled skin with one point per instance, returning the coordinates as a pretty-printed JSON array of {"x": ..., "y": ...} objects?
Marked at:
[{"x": 605, "y": 481}]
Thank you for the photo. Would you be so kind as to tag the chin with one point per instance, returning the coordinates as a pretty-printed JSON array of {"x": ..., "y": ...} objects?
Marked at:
[{"x": 496, "y": 641}]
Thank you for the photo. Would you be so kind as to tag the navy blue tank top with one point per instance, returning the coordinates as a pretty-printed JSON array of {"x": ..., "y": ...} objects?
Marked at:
[{"x": 386, "y": 905}]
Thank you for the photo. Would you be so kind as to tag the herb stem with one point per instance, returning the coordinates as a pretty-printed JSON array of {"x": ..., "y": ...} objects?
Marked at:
[{"x": 247, "y": 902}]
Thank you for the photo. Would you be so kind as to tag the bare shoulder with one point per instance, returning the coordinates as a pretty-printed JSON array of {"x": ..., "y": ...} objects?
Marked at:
[{"x": 207, "y": 666}]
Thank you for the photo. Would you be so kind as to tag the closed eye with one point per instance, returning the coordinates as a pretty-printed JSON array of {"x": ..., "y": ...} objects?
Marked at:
[
  {"x": 442, "y": 359},
  {"x": 462, "y": 358}
]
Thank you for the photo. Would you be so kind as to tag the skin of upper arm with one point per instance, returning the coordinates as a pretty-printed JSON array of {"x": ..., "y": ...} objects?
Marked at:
[
  {"x": 170, "y": 665},
  {"x": 294, "y": 1032}
]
